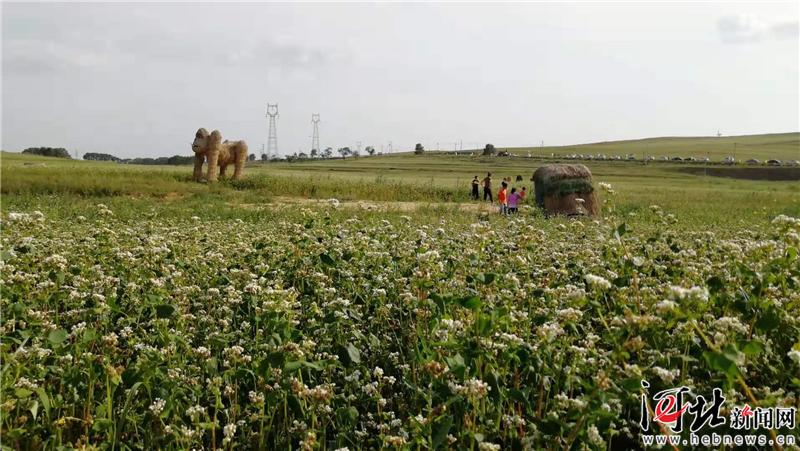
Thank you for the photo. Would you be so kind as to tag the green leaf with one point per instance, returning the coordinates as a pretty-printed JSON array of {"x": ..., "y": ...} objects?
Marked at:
[
  {"x": 631, "y": 384},
  {"x": 486, "y": 278},
  {"x": 518, "y": 396},
  {"x": 621, "y": 230},
  {"x": 715, "y": 284},
  {"x": 751, "y": 347},
  {"x": 347, "y": 415},
  {"x": 45, "y": 400},
  {"x": 57, "y": 336},
  {"x": 441, "y": 432},
  {"x": 769, "y": 320},
  {"x": 471, "y": 302},
  {"x": 483, "y": 325},
  {"x": 34, "y": 409},
  {"x": 291, "y": 367},
  {"x": 164, "y": 310},
  {"x": 350, "y": 354},
  {"x": 211, "y": 365},
  {"x": 456, "y": 364},
  {"x": 22, "y": 393},
  {"x": 722, "y": 362},
  {"x": 327, "y": 260}
]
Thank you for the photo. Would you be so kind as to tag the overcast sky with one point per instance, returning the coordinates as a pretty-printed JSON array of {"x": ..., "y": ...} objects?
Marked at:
[{"x": 139, "y": 79}]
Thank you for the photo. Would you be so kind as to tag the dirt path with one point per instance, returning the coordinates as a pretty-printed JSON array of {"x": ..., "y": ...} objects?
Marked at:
[{"x": 285, "y": 201}]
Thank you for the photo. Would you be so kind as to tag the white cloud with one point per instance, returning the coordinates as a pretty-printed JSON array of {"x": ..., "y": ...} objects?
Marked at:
[
  {"x": 37, "y": 55},
  {"x": 745, "y": 28}
]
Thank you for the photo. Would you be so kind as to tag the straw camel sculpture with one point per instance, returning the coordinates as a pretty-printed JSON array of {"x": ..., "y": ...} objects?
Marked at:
[{"x": 218, "y": 153}]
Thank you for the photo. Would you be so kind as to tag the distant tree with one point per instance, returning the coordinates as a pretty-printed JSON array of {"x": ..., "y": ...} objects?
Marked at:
[
  {"x": 370, "y": 150},
  {"x": 58, "y": 152},
  {"x": 328, "y": 152},
  {"x": 419, "y": 149},
  {"x": 344, "y": 152},
  {"x": 302, "y": 156},
  {"x": 489, "y": 149},
  {"x": 251, "y": 157},
  {"x": 314, "y": 153},
  {"x": 99, "y": 157},
  {"x": 173, "y": 160},
  {"x": 179, "y": 160},
  {"x": 264, "y": 157},
  {"x": 355, "y": 153}
]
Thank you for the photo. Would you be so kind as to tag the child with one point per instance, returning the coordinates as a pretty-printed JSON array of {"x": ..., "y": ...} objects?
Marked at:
[
  {"x": 513, "y": 198},
  {"x": 522, "y": 194},
  {"x": 502, "y": 198}
]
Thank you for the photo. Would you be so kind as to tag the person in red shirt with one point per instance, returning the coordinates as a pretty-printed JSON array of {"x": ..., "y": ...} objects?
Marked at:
[{"x": 502, "y": 198}]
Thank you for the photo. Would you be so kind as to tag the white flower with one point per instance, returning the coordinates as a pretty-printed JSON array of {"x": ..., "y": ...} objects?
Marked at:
[
  {"x": 157, "y": 406},
  {"x": 194, "y": 412},
  {"x": 228, "y": 431},
  {"x": 694, "y": 293},
  {"x": 598, "y": 282},
  {"x": 665, "y": 306},
  {"x": 475, "y": 388},
  {"x": 794, "y": 355},
  {"x": 569, "y": 314},
  {"x": 595, "y": 438}
]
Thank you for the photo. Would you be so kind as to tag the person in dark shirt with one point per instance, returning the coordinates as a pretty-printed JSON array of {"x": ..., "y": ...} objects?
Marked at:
[
  {"x": 475, "y": 184},
  {"x": 487, "y": 187}
]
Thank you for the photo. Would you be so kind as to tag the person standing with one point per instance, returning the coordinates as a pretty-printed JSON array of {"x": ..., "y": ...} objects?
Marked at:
[
  {"x": 475, "y": 184},
  {"x": 502, "y": 198},
  {"x": 487, "y": 187},
  {"x": 513, "y": 198}
]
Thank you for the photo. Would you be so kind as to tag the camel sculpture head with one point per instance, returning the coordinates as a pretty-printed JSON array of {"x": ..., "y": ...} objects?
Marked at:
[{"x": 203, "y": 141}]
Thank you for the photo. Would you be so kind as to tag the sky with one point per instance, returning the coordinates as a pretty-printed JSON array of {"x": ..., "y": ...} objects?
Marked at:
[{"x": 138, "y": 79}]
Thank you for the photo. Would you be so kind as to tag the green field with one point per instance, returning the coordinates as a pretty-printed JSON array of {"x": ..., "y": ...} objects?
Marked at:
[
  {"x": 781, "y": 146},
  {"x": 141, "y": 310},
  {"x": 698, "y": 200}
]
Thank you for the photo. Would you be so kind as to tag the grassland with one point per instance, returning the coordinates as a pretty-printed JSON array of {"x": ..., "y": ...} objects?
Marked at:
[
  {"x": 781, "y": 146},
  {"x": 142, "y": 310},
  {"x": 697, "y": 200}
]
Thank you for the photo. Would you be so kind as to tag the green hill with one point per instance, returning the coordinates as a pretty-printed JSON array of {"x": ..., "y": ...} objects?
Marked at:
[{"x": 781, "y": 146}]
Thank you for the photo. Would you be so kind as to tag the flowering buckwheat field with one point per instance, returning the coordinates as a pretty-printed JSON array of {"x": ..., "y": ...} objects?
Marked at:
[{"x": 323, "y": 329}]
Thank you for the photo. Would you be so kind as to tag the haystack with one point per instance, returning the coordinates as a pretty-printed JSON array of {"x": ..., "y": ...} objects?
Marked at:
[{"x": 559, "y": 185}]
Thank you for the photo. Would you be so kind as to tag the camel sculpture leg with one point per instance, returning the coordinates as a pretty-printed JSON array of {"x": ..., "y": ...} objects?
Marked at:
[
  {"x": 198, "y": 168},
  {"x": 214, "y": 145},
  {"x": 222, "y": 169},
  {"x": 212, "y": 166},
  {"x": 241, "y": 157}
]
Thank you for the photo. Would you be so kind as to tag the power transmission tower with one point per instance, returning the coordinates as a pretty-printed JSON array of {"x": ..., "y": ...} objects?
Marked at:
[
  {"x": 272, "y": 138},
  {"x": 315, "y": 135}
]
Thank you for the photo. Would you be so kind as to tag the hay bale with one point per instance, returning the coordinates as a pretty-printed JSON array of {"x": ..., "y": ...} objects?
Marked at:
[{"x": 558, "y": 186}]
